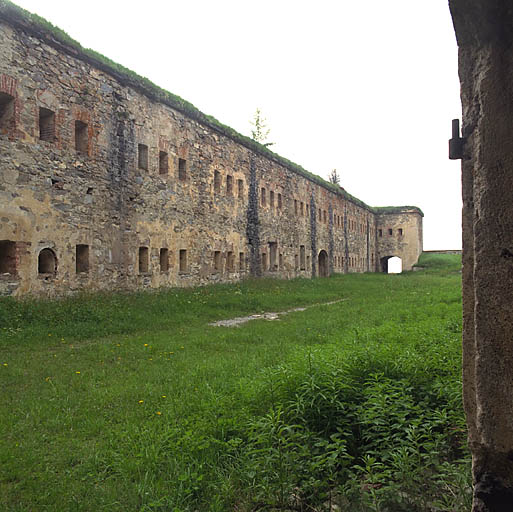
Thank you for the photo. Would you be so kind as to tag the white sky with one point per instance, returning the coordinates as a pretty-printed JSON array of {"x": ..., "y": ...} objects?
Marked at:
[{"x": 368, "y": 88}]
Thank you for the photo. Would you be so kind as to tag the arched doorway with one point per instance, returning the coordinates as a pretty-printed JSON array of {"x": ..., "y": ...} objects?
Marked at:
[
  {"x": 323, "y": 264},
  {"x": 391, "y": 265},
  {"x": 47, "y": 262}
]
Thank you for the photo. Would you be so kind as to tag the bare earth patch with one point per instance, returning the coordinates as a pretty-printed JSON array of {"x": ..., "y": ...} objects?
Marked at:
[{"x": 235, "y": 322}]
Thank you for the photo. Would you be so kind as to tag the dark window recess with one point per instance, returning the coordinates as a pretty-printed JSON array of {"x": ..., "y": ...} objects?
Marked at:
[
  {"x": 81, "y": 137},
  {"x": 273, "y": 263},
  {"x": 7, "y": 257},
  {"x": 89, "y": 190},
  {"x": 241, "y": 261},
  {"x": 163, "y": 163},
  {"x": 6, "y": 113},
  {"x": 281, "y": 261},
  {"x": 47, "y": 262},
  {"x": 264, "y": 261},
  {"x": 400, "y": 231},
  {"x": 183, "y": 260},
  {"x": 217, "y": 260},
  {"x": 262, "y": 196},
  {"x": 295, "y": 206},
  {"x": 279, "y": 202},
  {"x": 182, "y": 169},
  {"x": 240, "y": 186},
  {"x": 230, "y": 261},
  {"x": 164, "y": 259},
  {"x": 46, "y": 125},
  {"x": 217, "y": 182},
  {"x": 271, "y": 199},
  {"x": 144, "y": 260},
  {"x": 302, "y": 258},
  {"x": 380, "y": 232},
  {"x": 229, "y": 185},
  {"x": 142, "y": 156},
  {"x": 390, "y": 232},
  {"x": 82, "y": 258}
]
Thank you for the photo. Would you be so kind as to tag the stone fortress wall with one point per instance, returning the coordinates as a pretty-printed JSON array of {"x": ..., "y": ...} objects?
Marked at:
[{"x": 108, "y": 182}]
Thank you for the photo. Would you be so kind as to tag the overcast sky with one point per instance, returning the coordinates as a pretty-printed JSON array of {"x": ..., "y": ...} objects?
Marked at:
[{"x": 368, "y": 88}]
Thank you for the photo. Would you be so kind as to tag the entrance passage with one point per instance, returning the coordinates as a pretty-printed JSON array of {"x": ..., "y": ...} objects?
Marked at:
[
  {"x": 323, "y": 264},
  {"x": 391, "y": 265}
]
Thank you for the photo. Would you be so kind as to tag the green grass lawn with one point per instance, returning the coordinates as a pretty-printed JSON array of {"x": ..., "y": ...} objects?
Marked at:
[{"x": 132, "y": 402}]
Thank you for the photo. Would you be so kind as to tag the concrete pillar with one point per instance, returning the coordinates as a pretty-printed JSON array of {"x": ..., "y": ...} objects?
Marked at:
[{"x": 484, "y": 31}]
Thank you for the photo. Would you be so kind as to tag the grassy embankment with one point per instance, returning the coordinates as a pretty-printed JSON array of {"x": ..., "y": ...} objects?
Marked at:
[{"x": 132, "y": 402}]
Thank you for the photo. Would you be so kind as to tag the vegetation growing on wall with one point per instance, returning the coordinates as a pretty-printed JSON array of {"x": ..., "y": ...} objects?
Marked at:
[{"x": 54, "y": 36}]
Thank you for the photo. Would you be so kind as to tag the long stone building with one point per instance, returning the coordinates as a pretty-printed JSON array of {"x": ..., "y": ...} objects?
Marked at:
[{"x": 107, "y": 181}]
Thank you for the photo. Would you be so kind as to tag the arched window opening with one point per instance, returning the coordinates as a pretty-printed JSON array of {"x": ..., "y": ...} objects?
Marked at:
[{"x": 47, "y": 262}]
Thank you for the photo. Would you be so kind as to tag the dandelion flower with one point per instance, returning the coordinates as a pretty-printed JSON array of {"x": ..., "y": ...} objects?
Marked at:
[
  {"x": 5, "y": 364},
  {"x": 164, "y": 396},
  {"x": 77, "y": 373},
  {"x": 141, "y": 401},
  {"x": 159, "y": 413},
  {"x": 145, "y": 344}
]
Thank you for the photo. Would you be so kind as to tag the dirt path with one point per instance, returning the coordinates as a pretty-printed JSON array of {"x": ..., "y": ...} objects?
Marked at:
[{"x": 235, "y": 322}]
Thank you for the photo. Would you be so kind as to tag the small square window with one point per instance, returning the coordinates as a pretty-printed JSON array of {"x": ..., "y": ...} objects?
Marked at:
[
  {"x": 182, "y": 169},
  {"x": 46, "y": 125},
  {"x": 142, "y": 157},
  {"x": 81, "y": 137},
  {"x": 163, "y": 162}
]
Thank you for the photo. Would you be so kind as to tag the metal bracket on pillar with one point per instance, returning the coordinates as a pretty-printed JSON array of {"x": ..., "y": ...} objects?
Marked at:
[{"x": 456, "y": 143}]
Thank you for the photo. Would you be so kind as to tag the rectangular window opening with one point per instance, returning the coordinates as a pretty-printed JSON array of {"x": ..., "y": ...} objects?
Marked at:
[
  {"x": 182, "y": 169},
  {"x": 281, "y": 261},
  {"x": 229, "y": 185},
  {"x": 295, "y": 206},
  {"x": 302, "y": 208},
  {"x": 144, "y": 260},
  {"x": 271, "y": 199},
  {"x": 7, "y": 257},
  {"x": 6, "y": 113},
  {"x": 400, "y": 231},
  {"x": 142, "y": 157},
  {"x": 183, "y": 260},
  {"x": 230, "y": 261},
  {"x": 163, "y": 162},
  {"x": 81, "y": 137},
  {"x": 380, "y": 232},
  {"x": 217, "y": 261},
  {"x": 390, "y": 232},
  {"x": 164, "y": 259},
  {"x": 82, "y": 258},
  {"x": 279, "y": 201},
  {"x": 273, "y": 250},
  {"x": 240, "y": 186},
  {"x": 241, "y": 261},
  {"x": 46, "y": 125},
  {"x": 264, "y": 261},
  {"x": 217, "y": 182},
  {"x": 262, "y": 197}
]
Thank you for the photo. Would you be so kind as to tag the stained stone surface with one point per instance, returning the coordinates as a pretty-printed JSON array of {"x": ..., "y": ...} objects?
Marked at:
[
  {"x": 484, "y": 31},
  {"x": 129, "y": 192}
]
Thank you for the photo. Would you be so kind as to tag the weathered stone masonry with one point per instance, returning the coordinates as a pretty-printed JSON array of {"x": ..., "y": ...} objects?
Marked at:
[{"x": 107, "y": 183}]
